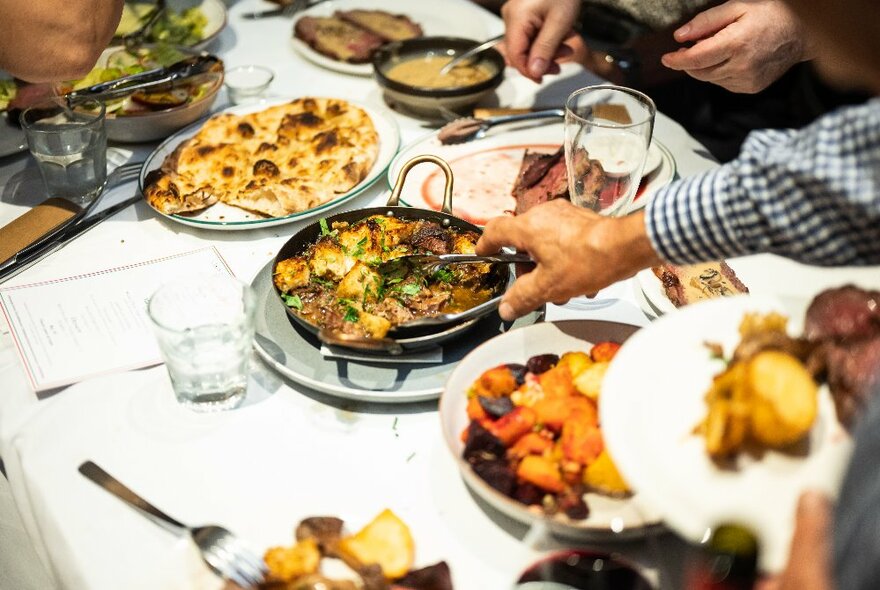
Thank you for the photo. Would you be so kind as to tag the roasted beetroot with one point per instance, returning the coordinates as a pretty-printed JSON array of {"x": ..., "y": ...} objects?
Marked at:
[
  {"x": 518, "y": 371},
  {"x": 481, "y": 444},
  {"x": 433, "y": 577},
  {"x": 498, "y": 474},
  {"x": 541, "y": 363},
  {"x": 496, "y": 406}
]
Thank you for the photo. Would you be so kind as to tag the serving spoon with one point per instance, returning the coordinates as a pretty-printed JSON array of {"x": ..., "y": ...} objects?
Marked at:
[
  {"x": 458, "y": 60},
  {"x": 434, "y": 261}
]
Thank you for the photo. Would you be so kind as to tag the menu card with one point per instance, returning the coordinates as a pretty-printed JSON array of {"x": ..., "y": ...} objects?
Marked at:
[{"x": 69, "y": 329}]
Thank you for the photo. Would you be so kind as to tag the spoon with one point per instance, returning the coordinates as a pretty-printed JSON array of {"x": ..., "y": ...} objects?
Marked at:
[
  {"x": 434, "y": 261},
  {"x": 470, "y": 53},
  {"x": 468, "y": 128}
]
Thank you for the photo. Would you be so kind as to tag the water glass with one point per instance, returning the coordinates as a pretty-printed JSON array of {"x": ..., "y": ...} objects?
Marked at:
[
  {"x": 205, "y": 329},
  {"x": 607, "y": 133},
  {"x": 70, "y": 146},
  {"x": 582, "y": 570}
]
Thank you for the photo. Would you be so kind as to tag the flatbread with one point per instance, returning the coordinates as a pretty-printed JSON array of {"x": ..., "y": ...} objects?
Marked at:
[{"x": 282, "y": 160}]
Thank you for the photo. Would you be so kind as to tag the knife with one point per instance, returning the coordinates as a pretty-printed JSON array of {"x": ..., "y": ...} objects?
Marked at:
[{"x": 28, "y": 259}]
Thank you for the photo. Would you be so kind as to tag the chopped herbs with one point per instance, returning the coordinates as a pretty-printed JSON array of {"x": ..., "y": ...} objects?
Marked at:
[
  {"x": 293, "y": 301},
  {"x": 411, "y": 289},
  {"x": 325, "y": 231},
  {"x": 359, "y": 248},
  {"x": 322, "y": 281},
  {"x": 444, "y": 275},
  {"x": 351, "y": 314}
]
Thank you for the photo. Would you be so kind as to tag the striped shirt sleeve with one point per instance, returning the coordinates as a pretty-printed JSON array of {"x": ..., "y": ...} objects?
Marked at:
[{"x": 811, "y": 195}]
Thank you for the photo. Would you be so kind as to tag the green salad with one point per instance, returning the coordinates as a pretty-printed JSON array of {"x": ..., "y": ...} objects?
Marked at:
[
  {"x": 7, "y": 93},
  {"x": 175, "y": 28}
]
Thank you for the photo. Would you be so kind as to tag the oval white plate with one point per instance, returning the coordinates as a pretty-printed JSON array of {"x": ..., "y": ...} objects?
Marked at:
[
  {"x": 510, "y": 142},
  {"x": 609, "y": 517},
  {"x": 770, "y": 275},
  {"x": 448, "y": 18},
  {"x": 653, "y": 398},
  {"x": 226, "y": 217}
]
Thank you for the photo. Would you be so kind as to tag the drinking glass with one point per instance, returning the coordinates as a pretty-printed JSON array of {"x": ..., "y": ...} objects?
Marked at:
[
  {"x": 607, "y": 133},
  {"x": 205, "y": 329},
  {"x": 70, "y": 146},
  {"x": 582, "y": 570},
  {"x": 247, "y": 84}
]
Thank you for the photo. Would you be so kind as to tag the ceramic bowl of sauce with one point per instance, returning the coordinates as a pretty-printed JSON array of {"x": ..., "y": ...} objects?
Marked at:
[{"x": 409, "y": 74}]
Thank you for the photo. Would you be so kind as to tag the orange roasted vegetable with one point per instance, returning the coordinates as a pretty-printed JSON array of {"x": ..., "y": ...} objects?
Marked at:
[
  {"x": 475, "y": 410},
  {"x": 553, "y": 412},
  {"x": 542, "y": 472},
  {"x": 496, "y": 382},
  {"x": 557, "y": 382},
  {"x": 531, "y": 443},
  {"x": 604, "y": 351},
  {"x": 509, "y": 427},
  {"x": 581, "y": 439}
]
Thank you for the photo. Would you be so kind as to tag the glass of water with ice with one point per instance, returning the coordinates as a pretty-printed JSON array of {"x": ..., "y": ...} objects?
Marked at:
[
  {"x": 205, "y": 328},
  {"x": 70, "y": 146}
]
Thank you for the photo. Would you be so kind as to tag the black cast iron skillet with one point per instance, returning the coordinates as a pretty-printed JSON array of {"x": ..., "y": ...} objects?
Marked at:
[{"x": 399, "y": 340}]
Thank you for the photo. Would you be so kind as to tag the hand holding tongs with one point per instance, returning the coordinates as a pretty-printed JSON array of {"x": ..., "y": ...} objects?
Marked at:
[{"x": 157, "y": 80}]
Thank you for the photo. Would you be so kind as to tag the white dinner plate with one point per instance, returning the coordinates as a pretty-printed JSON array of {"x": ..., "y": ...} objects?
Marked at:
[
  {"x": 448, "y": 18},
  {"x": 485, "y": 169},
  {"x": 653, "y": 397},
  {"x": 769, "y": 275},
  {"x": 226, "y": 217},
  {"x": 609, "y": 517}
]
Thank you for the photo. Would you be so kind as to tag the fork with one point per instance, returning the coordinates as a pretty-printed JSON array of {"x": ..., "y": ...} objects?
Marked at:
[
  {"x": 221, "y": 550},
  {"x": 288, "y": 10}
]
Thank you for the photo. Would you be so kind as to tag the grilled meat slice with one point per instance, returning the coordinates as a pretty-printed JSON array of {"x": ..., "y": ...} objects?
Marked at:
[
  {"x": 390, "y": 27},
  {"x": 430, "y": 237},
  {"x": 337, "y": 39},
  {"x": 686, "y": 284},
  {"x": 542, "y": 178},
  {"x": 846, "y": 312}
]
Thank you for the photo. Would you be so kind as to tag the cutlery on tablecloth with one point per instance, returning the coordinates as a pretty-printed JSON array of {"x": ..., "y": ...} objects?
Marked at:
[
  {"x": 468, "y": 128},
  {"x": 288, "y": 10},
  {"x": 221, "y": 550},
  {"x": 78, "y": 224}
]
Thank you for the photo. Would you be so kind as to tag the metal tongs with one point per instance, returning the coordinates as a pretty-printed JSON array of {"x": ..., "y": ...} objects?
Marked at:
[{"x": 157, "y": 80}]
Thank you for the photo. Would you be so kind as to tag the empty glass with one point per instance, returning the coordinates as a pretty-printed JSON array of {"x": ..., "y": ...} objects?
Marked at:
[
  {"x": 70, "y": 146},
  {"x": 607, "y": 133},
  {"x": 247, "y": 84},
  {"x": 205, "y": 329}
]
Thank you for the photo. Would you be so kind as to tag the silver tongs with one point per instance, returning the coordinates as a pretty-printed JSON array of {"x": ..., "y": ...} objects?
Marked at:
[{"x": 156, "y": 80}]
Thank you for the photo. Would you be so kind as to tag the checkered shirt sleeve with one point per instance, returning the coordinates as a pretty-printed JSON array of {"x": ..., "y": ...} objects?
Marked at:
[{"x": 812, "y": 195}]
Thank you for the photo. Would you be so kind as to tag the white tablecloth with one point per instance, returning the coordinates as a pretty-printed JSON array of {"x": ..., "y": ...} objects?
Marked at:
[{"x": 289, "y": 453}]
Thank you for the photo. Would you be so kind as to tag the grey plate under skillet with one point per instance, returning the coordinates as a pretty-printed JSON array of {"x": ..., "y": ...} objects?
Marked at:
[
  {"x": 296, "y": 354},
  {"x": 12, "y": 140}
]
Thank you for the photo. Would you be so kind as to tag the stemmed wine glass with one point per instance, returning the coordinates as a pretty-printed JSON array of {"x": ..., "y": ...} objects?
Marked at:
[{"x": 607, "y": 134}]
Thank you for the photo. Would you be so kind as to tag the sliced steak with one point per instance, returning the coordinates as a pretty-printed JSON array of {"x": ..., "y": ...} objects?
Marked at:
[
  {"x": 337, "y": 39},
  {"x": 852, "y": 370},
  {"x": 390, "y": 27},
  {"x": 846, "y": 312},
  {"x": 542, "y": 179}
]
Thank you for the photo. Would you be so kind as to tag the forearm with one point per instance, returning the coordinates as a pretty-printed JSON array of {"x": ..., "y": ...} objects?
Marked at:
[
  {"x": 813, "y": 196},
  {"x": 53, "y": 40}
]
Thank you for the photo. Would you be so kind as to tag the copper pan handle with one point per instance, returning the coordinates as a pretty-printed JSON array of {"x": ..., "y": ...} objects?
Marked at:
[{"x": 394, "y": 199}]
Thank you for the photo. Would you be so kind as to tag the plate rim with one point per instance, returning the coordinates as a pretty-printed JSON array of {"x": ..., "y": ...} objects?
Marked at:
[
  {"x": 515, "y": 509},
  {"x": 667, "y": 160},
  {"x": 370, "y": 180}
]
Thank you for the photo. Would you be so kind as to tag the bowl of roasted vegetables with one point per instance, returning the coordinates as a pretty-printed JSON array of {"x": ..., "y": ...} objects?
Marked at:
[
  {"x": 186, "y": 23},
  {"x": 150, "y": 115},
  {"x": 520, "y": 415},
  {"x": 332, "y": 277}
]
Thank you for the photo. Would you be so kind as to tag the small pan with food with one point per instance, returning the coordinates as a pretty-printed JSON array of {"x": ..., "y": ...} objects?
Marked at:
[{"x": 335, "y": 280}]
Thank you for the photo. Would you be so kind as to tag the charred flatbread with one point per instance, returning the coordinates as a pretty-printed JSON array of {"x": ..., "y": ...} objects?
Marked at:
[{"x": 282, "y": 160}]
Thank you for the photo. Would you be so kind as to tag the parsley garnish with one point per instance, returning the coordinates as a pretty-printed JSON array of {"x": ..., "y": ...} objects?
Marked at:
[
  {"x": 325, "y": 231},
  {"x": 293, "y": 301},
  {"x": 359, "y": 248},
  {"x": 411, "y": 289},
  {"x": 444, "y": 275},
  {"x": 321, "y": 281},
  {"x": 351, "y": 314}
]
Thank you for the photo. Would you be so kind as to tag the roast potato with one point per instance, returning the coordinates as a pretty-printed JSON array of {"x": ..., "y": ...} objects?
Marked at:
[
  {"x": 784, "y": 398},
  {"x": 385, "y": 541}
]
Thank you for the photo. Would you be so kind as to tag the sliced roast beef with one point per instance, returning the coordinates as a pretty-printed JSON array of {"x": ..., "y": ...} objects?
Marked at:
[
  {"x": 390, "y": 27},
  {"x": 337, "y": 39},
  {"x": 542, "y": 178}
]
